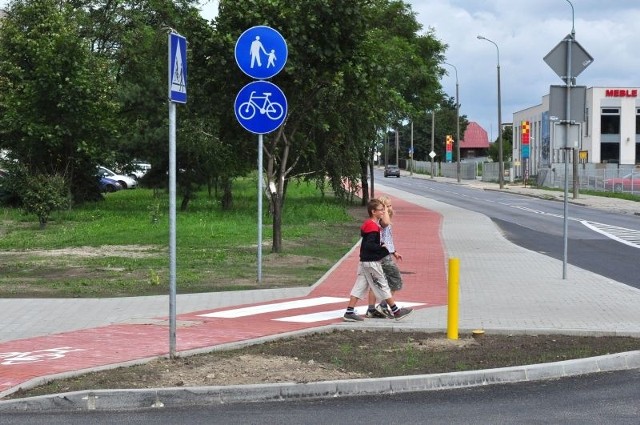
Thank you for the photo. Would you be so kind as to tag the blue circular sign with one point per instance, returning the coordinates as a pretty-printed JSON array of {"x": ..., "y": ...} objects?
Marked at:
[
  {"x": 261, "y": 52},
  {"x": 260, "y": 107}
]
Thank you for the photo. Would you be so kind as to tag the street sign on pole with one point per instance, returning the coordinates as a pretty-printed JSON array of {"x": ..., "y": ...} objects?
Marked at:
[
  {"x": 177, "y": 68},
  {"x": 577, "y": 102},
  {"x": 260, "y": 107},
  {"x": 557, "y": 59},
  {"x": 568, "y": 59},
  {"x": 261, "y": 52},
  {"x": 177, "y": 76}
]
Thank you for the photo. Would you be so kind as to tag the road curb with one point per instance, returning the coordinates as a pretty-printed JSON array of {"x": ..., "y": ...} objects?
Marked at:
[{"x": 105, "y": 400}]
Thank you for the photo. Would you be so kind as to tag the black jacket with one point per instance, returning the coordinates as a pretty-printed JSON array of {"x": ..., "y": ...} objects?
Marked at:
[{"x": 370, "y": 248}]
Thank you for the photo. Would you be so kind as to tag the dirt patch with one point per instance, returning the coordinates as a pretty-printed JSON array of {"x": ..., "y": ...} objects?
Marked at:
[
  {"x": 249, "y": 369},
  {"x": 344, "y": 355},
  {"x": 127, "y": 251}
]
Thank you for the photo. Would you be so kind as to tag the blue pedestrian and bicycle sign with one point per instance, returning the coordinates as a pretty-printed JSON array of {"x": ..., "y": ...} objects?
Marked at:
[
  {"x": 260, "y": 107},
  {"x": 261, "y": 52}
]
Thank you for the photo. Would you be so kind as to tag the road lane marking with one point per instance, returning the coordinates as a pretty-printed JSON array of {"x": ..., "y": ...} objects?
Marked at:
[{"x": 623, "y": 235}]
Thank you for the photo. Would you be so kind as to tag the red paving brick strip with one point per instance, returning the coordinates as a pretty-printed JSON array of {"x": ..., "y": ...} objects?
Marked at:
[{"x": 417, "y": 237}]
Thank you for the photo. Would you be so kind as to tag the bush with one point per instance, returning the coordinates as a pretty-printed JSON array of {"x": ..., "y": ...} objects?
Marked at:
[
  {"x": 43, "y": 194},
  {"x": 10, "y": 184}
]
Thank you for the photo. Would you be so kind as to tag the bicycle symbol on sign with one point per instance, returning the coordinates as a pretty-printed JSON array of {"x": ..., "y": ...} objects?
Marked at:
[
  {"x": 273, "y": 110},
  {"x": 17, "y": 357}
]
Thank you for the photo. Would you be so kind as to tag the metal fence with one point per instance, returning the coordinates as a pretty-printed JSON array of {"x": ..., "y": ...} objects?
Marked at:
[
  {"x": 599, "y": 177},
  {"x": 468, "y": 170}
]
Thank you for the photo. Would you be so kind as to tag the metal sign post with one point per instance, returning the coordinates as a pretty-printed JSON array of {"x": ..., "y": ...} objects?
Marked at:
[
  {"x": 260, "y": 106},
  {"x": 177, "y": 67},
  {"x": 567, "y": 56}
]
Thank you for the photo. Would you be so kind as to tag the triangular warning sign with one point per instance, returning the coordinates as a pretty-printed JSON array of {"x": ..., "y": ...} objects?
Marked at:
[{"x": 178, "y": 83}]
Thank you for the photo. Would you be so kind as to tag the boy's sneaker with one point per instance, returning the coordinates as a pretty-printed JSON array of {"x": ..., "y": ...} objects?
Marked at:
[
  {"x": 384, "y": 311},
  {"x": 375, "y": 314},
  {"x": 402, "y": 313},
  {"x": 352, "y": 317}
]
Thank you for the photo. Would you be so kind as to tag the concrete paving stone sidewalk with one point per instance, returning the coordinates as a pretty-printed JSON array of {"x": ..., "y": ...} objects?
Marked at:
[{"x": 503, "y": 289}]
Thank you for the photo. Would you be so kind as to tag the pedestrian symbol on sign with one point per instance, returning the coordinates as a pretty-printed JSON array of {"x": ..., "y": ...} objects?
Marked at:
[
  {"x": 261, "y": 52},
  {"x": 178, "y": 83},
  {"x": 177, "y": 68},
  {"x": 256, "y": 48}
]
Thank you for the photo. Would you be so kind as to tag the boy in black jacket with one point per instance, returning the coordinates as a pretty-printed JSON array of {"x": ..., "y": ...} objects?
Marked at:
[{"x": 370, "y": 274}]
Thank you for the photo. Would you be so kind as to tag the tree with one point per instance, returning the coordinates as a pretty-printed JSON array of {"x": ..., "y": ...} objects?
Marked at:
[
  {"x": 405, "y": 68},
  {"x": 133, "y": 36},
  {"x": 507, "y": 142},
  {"x": 321, "y": 35},
  {"x": 57, "y": 108},
  {"x": 353, "y": 68}
]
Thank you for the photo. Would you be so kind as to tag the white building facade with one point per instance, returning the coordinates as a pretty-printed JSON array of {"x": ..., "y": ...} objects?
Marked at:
[{"x": 609, "y": 134}]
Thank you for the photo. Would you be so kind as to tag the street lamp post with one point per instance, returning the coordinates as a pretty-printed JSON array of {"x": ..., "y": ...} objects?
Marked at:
[
  {"x": 433, "y": 135},
  {"x": 457, "y": 122},
  {"x": 500, "y": 159}
]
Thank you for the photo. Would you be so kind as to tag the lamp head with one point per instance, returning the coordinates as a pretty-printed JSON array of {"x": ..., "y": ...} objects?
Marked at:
[{"x": 481, "y": 37}]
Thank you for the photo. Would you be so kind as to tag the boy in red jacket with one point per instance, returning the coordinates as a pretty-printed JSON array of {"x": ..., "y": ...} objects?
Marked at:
[{"x": 370, "y": 274}]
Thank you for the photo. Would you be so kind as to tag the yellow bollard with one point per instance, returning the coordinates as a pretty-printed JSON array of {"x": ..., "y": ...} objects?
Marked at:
[{"x": 454, "y": 297}]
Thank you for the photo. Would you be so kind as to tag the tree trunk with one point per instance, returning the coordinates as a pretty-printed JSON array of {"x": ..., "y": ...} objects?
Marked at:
[
  {"x": 365, "y": 183},
  {"x": 227, "y": 194},
  {"x": 185, "y": 202},
  {"x": 371, "y": 186}
]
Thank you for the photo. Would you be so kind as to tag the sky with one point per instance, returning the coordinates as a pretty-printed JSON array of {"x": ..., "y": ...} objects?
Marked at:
[{"x": 524, "y": 31}]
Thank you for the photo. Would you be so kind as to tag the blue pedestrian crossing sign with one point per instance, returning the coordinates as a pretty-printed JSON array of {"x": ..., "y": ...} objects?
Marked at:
[
  {"x": 177, "y": 68},
  {"x": 260, "y": 107},
  {"x": 261, "y": 52}
]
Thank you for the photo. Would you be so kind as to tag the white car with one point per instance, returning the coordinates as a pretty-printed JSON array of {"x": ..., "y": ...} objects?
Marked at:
[
  {"x": 126, "y": 181},
  {"x": 140, "y": 169}
]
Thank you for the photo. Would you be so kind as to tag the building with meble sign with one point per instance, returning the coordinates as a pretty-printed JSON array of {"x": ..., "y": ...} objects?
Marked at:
[{"x": 608, "y": 136}]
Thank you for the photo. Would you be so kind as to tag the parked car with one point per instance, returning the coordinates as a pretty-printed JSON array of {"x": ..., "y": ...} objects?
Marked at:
[
  {"x": 626, "y": 183},
  {"x": 139, "y": 169},
  {"x": 109, "y": 185},
  {"x": 126, "y": 181},
  {"x": 391, "y": 170}
]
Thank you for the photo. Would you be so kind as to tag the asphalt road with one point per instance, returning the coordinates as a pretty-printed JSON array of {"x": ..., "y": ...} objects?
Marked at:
[
  {"x": 602, "y": 398},
  {"x": 602, "y": 242}
]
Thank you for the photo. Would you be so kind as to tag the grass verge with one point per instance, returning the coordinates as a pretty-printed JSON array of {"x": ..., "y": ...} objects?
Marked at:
[{"x": 119, "y": 247}]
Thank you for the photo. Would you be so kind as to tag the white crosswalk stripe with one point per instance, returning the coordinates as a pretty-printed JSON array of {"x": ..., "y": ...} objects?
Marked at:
[
  {"x": 270, "y": 308},
  {"x": 623, "y": 235},
  {"x": 290, "y": 305},
  {"x": 333, "y": 314}
]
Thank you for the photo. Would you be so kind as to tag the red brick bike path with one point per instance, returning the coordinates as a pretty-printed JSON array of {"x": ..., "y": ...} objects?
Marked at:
[{"x": 417, "y": 235}]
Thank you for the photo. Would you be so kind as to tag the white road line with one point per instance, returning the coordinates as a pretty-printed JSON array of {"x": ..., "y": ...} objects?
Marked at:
[
  {"x": 320, "y": 317},
  {"x": 333, "y": 314},
  {"x": 623, "y": 235},
  {"x": 269, "y": 308}
]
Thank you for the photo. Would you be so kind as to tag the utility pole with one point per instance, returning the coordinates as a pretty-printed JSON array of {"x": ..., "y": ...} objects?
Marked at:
[{"x": 397, "y": 147}]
